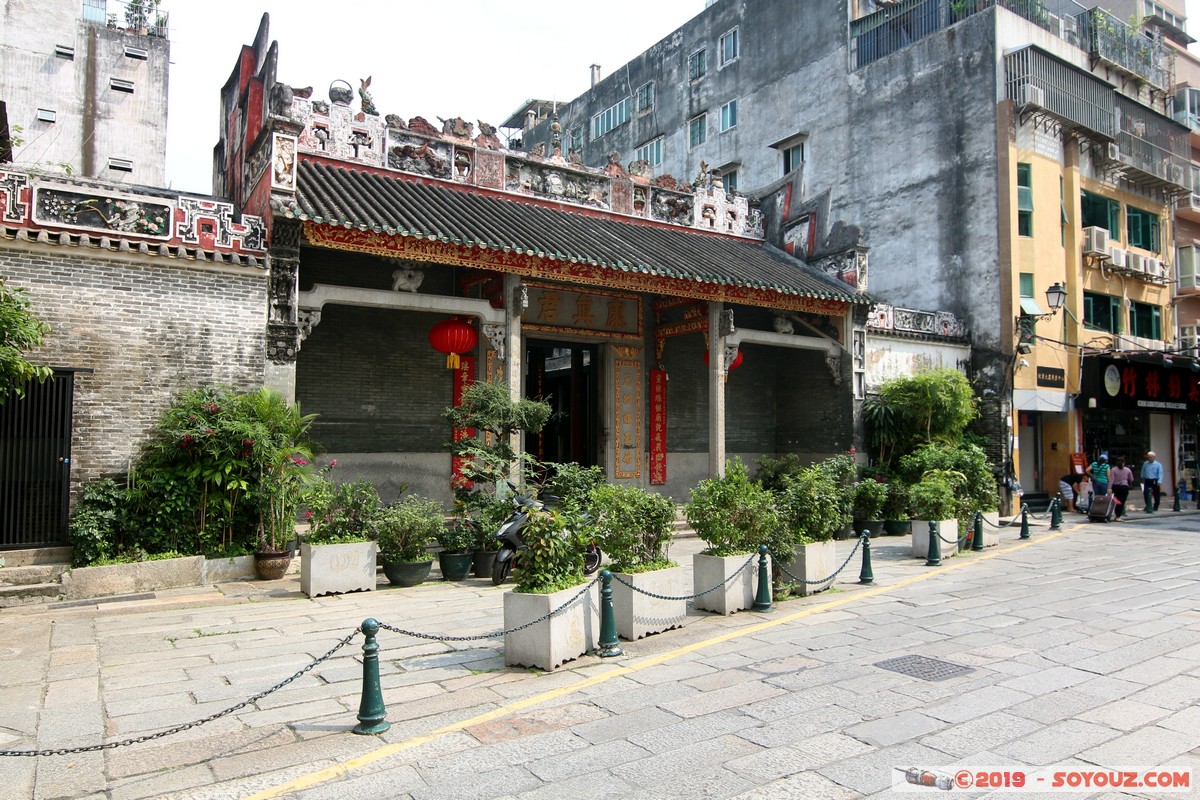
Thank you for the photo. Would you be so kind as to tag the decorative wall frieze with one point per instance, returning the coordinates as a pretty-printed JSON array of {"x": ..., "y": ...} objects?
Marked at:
[
  {"x": 12, "y": 186},
  {"x": 210, "y": 224},
  {"x": 282, "y": 343},
  {"x": 556, "y": 182},
  {"x": 885, "y": 317}
]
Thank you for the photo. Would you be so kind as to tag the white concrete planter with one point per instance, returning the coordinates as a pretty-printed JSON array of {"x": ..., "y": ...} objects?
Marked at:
[
  {"x": 638, "y": 615},
  {"x": 564, "y": 637},
  {"x": 221, "y": 570},
  {"x": 948, "y": 528},
  {"x": 991, "y": 533},
  {"x": 736, "y": 595},
  {"x": 337, "y": 568},
  {"x": 141, "y": 576},
  {"x": 813, "y": 562}
]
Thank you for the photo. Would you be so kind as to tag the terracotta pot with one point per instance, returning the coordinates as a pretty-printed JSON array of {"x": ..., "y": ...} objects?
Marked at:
[{"x": 271, "y": 565}]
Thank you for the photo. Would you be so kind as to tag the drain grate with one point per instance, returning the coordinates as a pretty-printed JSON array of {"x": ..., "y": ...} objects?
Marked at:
[{"x": 923, "y": 667}]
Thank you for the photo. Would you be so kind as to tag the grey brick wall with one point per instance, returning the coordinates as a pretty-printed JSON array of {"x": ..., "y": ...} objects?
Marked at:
[{"x": 147, "y": 328}]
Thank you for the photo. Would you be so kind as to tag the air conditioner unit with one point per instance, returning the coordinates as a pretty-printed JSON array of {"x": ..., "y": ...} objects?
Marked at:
[
  {"x": 1095, "y": 241},
  {"x": 1117, "y": 256},
  {"x": 1134, "y": 262},
  {"x": 1112, "y": 152},
  {"x": 1030, "y": 95},
  {"x": 1153, "y": 267},
  {"x": 1192, "y": 201}
]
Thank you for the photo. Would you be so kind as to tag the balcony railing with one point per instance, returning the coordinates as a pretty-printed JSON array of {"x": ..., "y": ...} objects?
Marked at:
[
  {"x": 136, "y": 16},
  {"x": 1076, "y": 98},
  {"x": 1151, "y": 143},
  {"x": 896, "y": 26},
  {"x": 1109, "y": 39}
]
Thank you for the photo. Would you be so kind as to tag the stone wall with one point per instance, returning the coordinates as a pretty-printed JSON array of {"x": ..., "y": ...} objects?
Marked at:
[{"x": 144, "y": 328}]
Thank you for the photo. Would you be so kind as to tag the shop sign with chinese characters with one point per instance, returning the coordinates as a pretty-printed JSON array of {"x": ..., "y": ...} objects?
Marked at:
[
  {"x": 607, "y": 314},
  {"x": 1115, "y": 383}
]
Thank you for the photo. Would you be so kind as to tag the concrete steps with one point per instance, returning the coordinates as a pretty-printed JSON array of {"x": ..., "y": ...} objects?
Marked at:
[{"x": 32, "y": 576}]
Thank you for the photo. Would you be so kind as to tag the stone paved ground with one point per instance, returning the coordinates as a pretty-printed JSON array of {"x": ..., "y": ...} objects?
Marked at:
[{"x": 1084, "y": 648}]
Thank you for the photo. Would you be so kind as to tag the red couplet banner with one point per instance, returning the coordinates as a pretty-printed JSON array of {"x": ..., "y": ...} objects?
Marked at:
[
  {"x": 658, "y": 427},
  {"x": 464, "y": 376}
]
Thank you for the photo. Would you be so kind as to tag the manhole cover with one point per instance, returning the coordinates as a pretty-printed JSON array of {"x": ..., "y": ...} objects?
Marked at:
[{"x": 923, "y": 667}]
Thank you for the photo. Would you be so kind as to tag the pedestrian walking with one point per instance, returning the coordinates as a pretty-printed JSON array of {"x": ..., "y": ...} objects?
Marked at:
[
  {"x": 1120, "y": 478},
  {"x": 1068, "y": 487},
  {"x": 1152, "y": 475},
  {"x": 1098, "y": 472}
]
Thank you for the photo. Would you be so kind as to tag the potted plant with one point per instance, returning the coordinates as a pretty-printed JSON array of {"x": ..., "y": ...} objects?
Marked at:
[
  {"x": 549, "y": 577},
  {"x": 337, "y": 554},
  {"x": 486, "y": 522},
  {"x": 811, "y": 510},
  {"x": 733, "y": 515},
  {"x": 896, "y": 521},
  {"x": 932, "y": 500},
  {"x": 869, "y": 497},
  {"x": 285, "y": 454},
  {"x": 458, "y": 543},
  {"x": 634, "y": 528},
  {"x": 403, "y": 532}
]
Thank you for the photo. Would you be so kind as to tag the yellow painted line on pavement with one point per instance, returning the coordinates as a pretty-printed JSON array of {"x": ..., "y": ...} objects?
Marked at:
[{"x": 346, "y": 767}]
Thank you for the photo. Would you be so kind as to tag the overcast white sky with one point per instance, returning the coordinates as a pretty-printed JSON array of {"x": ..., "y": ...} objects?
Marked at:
[{"x": 476, "y": 59}]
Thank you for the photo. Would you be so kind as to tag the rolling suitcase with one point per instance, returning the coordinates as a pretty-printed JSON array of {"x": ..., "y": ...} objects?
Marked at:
[{"x": 1103, "y": 508}]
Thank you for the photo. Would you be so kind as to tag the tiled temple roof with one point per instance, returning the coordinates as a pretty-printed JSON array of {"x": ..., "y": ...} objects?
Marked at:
[{"x": 368, "y": 200}]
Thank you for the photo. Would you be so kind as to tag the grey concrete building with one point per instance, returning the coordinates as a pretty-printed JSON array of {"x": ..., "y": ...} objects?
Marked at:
[
  {"x": 924, "y": 120},
  {"x": 85, "y": 82}
]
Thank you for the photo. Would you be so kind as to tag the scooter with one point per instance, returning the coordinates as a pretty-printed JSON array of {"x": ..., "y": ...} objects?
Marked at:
[{"x": 511, "y": 543}]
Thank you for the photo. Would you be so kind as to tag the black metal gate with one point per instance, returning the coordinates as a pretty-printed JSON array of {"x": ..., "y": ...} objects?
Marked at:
[{"x": 35, "y": 464}]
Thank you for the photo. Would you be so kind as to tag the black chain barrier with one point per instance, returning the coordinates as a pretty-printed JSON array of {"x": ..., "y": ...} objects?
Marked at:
[
  {"x": 494, "y": 634},
  {"x": 1012, "y": 522},
  {"x": 956, "y": 542},
  {"x": 836, "y": 572},
  {"x": 656, "y": 596},
  {"x": 63, "y": 751}
]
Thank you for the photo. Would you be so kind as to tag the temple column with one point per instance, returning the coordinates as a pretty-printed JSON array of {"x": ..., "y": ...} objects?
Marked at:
[
  {"x": 716, "y": 392},
  {"x": 284, "y": 329},
  {"x": 516, "y": 298}
]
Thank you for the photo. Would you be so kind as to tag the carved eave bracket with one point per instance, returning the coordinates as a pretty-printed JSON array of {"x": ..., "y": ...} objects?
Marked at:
[
  {"x": 834, "y": 362},
  {"x": 495, "y": 335}
]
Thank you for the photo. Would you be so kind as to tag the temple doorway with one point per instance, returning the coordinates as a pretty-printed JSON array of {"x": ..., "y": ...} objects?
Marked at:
[{"x": 565, "y": 376}]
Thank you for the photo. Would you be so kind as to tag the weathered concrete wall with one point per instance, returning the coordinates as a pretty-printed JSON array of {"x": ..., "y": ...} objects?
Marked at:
[
  {"x": 93, "y": 121},
  {"x": 147, "y": 328}
]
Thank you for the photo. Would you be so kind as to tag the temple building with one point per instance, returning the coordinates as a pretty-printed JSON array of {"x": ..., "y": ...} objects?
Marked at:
[{"x": 399, "y": 248}]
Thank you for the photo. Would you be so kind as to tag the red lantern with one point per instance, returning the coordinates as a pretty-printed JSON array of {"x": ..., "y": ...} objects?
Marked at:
[
  {"x": 737, "y": 360},
  {"x": 453, "y": 336}
]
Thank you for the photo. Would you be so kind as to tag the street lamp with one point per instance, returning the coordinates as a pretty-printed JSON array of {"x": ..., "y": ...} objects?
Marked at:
[{"x": 1056, "y": 298}]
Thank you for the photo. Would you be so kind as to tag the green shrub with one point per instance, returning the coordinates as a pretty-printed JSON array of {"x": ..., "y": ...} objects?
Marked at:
[
  {"x": 895, "y": 507},
  {"x": 405, "y": 528},
  {"x": 869, "y": 497},
  {"x": 340, "y": 513},
  {"x": 553, "y": 560},
  {"x": 732, "y": 514},
  {"x": 906, "y": 412},
  {"x": 774, "y": 471},
  {"x": 973, "y": 480},
  {"x": 811, "y": 508},
  {"x": 458, "y": 537},
  {"x": 96, "y": 531},
  {"x": 633, "y": 526},
  {"x": 932, "y": 499}
]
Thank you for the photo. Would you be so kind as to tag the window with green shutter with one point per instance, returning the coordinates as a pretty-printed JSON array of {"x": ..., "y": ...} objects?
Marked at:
[
  {"x": 1142, "y": 227},
  {"x": 1102, "y": 312},
  {"x": 1145, "y": 320},
  {"x": 1100, "y": 212},
  {"x": 1024, "y": 200}
]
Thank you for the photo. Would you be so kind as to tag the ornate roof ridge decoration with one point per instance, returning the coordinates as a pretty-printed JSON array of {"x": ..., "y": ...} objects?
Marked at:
[
  {"x": 150, "y": 221},
  {"x": 335, "y": 131},
  {"x": 121, "y": 245},
  {"x": 911, "y": 322}
]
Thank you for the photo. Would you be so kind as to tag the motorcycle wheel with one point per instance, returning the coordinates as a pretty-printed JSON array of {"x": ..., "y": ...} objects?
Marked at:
[
  {"x": 591, "y": 559},
  {"x": 502, "y": 566}
]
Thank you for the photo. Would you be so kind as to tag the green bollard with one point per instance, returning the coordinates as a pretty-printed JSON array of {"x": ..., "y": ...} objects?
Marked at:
[
  {"x": 977, "y": 535},
  {"x": 1024, "y": 522},
  {"x": 371, "y": 713},
  {"x": 1175, "y": 505},
  {"x": 934, "y": 559},
  {"x": 762, "y": 600},
  {"x": 865, "y": 575},
  {"x": 610, "y": 645},
  {"x": 1056, "y": 512}
]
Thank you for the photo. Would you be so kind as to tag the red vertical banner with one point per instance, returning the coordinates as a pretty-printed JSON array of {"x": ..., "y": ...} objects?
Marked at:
[
  {"x": 658, "y": 427},
  {"x": 464, "y": 376}
]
